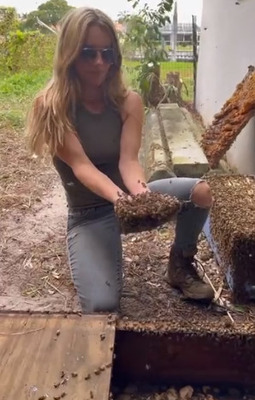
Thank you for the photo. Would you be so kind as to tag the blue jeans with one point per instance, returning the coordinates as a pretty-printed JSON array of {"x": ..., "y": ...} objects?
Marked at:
[{"x": 95, "y": 248}]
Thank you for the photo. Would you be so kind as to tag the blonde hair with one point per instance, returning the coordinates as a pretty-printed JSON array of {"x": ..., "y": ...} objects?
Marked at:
[{"x": 51, "y": 114}]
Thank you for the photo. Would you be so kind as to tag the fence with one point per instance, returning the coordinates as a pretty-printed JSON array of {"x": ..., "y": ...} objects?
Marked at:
[
  {"x": 181, "y": 44},
  {"x": 182, "y": 40}
]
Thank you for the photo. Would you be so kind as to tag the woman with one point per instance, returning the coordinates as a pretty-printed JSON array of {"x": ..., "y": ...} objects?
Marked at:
[{"x": 91, "y": 125}]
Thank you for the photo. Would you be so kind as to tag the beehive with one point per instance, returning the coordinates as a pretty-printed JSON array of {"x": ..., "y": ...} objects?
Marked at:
[{"x": 232, "y": 221}]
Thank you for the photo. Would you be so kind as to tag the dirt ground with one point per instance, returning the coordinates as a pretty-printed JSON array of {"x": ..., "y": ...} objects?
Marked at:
[{"x": 35, "y": 274}]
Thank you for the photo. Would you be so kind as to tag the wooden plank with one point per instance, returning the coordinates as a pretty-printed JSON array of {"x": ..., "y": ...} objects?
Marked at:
[{"x": 38, "y": 352}]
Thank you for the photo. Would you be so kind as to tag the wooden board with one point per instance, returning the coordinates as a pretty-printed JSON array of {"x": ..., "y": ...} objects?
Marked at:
[{"x": 38, "y": 352}]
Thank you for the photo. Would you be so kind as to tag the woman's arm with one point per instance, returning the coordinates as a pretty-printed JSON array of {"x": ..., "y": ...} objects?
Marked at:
[
  {"x": 131, "y": 171},
  {"x": 73, "y": 154}
]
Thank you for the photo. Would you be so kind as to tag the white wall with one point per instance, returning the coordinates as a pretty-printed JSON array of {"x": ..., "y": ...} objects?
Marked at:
[{"x": 227, "y": 48}]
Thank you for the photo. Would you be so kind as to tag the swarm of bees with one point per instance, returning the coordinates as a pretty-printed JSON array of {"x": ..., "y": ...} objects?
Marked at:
[
  {"x": 233, "y": 229},
  {"x": 145, "y": 211}
]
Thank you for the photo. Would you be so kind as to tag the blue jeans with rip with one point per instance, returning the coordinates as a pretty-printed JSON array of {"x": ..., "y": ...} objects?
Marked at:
[{"x": 95, "y": 248}]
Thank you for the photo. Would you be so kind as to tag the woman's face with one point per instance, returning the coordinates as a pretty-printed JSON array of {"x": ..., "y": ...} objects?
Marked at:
[{"x": 96, "y": 58}]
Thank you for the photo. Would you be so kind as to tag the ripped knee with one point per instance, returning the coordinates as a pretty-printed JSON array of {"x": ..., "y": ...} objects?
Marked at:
[{"x": 201, "y": 195}]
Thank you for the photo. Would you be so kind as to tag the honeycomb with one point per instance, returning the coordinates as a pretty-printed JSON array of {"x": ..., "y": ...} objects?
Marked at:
[{"x": 229, "y": 122}]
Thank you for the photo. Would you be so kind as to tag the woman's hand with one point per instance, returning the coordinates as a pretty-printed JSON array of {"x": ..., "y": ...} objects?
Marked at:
[
  {"x": 140, "y": 187},
  {"x": 122, "y": 195}
]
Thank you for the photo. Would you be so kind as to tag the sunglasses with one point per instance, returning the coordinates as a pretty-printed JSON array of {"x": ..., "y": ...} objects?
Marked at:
[{"x": 91, "y": 54}]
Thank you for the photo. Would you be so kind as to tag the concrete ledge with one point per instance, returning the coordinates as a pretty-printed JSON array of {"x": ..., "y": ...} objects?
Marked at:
[
  {"x": 169, "y": 145},
  {"x": 156, "y": 161},
  {"x": 187, "y": 156}
]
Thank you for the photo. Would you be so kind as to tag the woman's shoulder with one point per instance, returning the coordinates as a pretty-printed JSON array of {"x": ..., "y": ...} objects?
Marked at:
[
  {"x": 133, "y": 104},
  {"x": 132, "y": 98}
]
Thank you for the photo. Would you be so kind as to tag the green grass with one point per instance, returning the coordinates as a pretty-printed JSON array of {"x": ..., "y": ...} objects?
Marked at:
[
  {"x": 18, "y": 90},
  {"x": 16, "y": 94},
  {"x": 181, "y": 47},
  {"x": 184, "y": 68},
  {"x": 186, "y": 74}
]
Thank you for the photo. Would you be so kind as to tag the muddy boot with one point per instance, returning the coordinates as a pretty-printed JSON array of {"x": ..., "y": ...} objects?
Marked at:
[{"x": 182, "y": 274}]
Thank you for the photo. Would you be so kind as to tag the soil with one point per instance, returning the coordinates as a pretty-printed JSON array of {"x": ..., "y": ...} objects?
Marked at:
[
  {"x": 145, "y": 262},
  {"x": 34, "y": 271}
]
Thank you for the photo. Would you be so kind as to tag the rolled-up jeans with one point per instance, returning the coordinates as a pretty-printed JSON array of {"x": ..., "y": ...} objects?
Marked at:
[{"x": 95, "y": 248}]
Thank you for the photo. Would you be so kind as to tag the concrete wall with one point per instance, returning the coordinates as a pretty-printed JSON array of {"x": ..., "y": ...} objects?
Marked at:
[{"x": 227, "y": 48}]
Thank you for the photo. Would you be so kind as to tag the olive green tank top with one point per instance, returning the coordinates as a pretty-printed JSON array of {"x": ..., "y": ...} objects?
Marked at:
[{"x": 100, "y": 136}]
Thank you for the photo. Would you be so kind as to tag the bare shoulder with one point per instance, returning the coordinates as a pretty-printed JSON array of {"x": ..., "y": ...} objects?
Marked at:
[
  {"x": 133, "y": 100},
  {"x": 133, "y": 105}
]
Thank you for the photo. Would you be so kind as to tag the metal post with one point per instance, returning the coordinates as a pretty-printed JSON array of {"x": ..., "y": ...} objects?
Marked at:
[
  {"x": 174, "y": 33},
  {"x": 195, "y": 55}
]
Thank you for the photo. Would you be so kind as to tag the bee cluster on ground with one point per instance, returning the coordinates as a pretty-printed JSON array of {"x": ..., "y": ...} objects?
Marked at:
[{"x": 232, "y": 221}]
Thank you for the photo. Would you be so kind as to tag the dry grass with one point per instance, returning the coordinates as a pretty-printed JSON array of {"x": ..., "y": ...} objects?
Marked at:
[{"x": 20, "y": 174}]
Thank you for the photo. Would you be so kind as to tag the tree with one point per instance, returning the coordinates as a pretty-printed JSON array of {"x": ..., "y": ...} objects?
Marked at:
[
  {"x": 143, "y": 29},
  {"x": 159, "y": 16},
  {"x": 142, "y": 39},
  {"x": 8, "y": 20},
  {"x": 143, "y": 34},
  {"x": 50, "y": 13}
]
